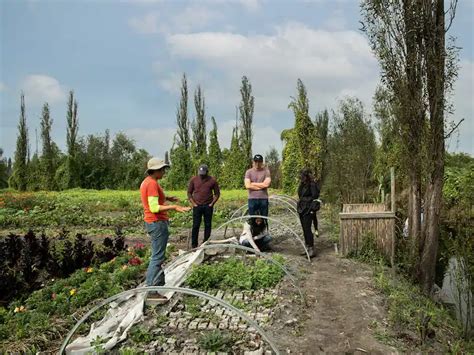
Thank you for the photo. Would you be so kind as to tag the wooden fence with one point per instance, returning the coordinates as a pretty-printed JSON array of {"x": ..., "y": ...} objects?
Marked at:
[{"x": 359, "y": 221}]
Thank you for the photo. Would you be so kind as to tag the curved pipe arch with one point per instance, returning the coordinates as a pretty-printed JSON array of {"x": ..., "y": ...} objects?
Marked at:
[
  {"x": 290, "y": 208},
  {"x": 290, "y": 199},
  {"x": 241, "y": 247},
  {"x": 183, "y": 290},
  {"x": 269, "y": 219}
]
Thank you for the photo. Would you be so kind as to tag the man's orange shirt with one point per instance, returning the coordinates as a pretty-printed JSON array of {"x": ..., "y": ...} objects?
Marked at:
[{"x": 151, "y": 188}]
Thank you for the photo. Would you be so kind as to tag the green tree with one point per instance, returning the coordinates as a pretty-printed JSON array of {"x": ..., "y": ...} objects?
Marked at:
[
  {"x": 322, "y": 132},
  {"x": 68, "y": 174},
  {"x": 305, "y": 132},
  {"x": 48, "y": 159},
  {"x": 180, "y": 172},
  {"x": 121, "y": 154},
  {"x": 3, "y": 171},
  {"x": 302, "y": 146},
  {"x": 19, "y": 177},
  {"x": 352, "y": 149},
  {"x": 180, "y": 153},
  {"x": 199, "y": 144},
  {"x": 246, "y": 109},
  {"x": 182, "y": 116},
  {"x": 408, "y": 38},
  {"x": 34, "y": 183},
  {"x": 273, "y": 163},
  {"x": 235, "y": 164},
  {"x": 215, "y": 154},
  {"x": 291, "y": 161}
]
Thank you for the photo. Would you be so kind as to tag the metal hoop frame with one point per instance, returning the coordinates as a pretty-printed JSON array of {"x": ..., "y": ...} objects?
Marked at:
[
  {"x": 270, "y": 219},
  {"x": 182, "y": 290},
  {"x": 241, "y": 247}
]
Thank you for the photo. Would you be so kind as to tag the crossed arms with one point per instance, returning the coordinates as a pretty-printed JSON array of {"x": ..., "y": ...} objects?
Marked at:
[{"x": 256, "y": 186}]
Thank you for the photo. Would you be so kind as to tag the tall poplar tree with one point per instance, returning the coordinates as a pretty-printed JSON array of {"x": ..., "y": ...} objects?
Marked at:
[
  {"x": 19, "y": 177},
  {"x": 215, "y": 153},
  {"x": 71, "y": 142},
  {"x": 180, "y": 152},
  {"x": 47, "y": 158},
  {"x": 199, "y": 146},
  {"x": 246, "y": 109}
]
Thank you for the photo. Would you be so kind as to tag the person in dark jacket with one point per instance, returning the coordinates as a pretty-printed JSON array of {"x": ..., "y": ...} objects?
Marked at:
[
  {"x": 203, "y": 193},
  {"x": 308, "y": 204}
]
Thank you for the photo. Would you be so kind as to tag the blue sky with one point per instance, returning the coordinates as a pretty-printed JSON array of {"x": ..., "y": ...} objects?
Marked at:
[{"x": 124, "y": 61}]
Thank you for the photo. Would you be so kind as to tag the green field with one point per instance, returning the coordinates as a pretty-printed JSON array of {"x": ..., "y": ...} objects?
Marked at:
[{"x": 94, "y": 211}]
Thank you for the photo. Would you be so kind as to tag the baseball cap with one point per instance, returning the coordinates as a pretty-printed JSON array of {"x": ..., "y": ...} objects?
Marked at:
[
  {"x": 156, "y": 164},
  {"x": 203, "y": 169},
  {"x": 257, "y": 157}
]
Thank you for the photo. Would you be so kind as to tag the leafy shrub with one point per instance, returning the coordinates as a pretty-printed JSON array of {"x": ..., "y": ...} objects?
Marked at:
[
  {"x": 235, "y": 274},
  {"x": 27, "y": 261},
  {"x": 48, "y": 314},
  {"x": 216, "y": 341}
]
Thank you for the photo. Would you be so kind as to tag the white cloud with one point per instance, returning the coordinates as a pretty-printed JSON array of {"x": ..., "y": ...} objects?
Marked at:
[
  {"x": 40, "y": 88},
  {"x": 147, "y": 24},
  {"x": 330, "y": 63},
  {"x": 155, "y": 141},
  {"x": 191, "y": 18}
]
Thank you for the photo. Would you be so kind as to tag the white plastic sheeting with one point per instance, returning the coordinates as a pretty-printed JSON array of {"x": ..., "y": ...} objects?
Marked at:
[{"x": 124, "y": 313}]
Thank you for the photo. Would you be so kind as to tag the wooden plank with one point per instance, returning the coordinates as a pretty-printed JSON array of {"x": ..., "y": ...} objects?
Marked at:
[
  {"x": 366, "y": 215},
  {"x": 363, "y": 207}
]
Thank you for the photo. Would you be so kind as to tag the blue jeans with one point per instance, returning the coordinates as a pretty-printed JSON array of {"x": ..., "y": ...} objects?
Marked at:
[
  {"x": 158, "y": 232},
  {"x": 258, "y": 206},
  {"x": 262, "y": 243}
]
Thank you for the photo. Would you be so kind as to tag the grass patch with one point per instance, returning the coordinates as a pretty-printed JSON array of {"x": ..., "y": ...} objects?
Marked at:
[
  {"x": 236, "y": 274},
  {"x": 216, "y": 341},
  {"x": 417, "y": 321}
]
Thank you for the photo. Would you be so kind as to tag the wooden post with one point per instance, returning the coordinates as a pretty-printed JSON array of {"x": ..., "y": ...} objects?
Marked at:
[
  {"x": 392, "y": 188},
  {"x": 392, "y": 200}
]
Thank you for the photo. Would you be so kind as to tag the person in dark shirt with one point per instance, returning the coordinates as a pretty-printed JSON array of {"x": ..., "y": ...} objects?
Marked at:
[
  {"x": 203, "y": 193},
  {"x": 308, "y": 205}
]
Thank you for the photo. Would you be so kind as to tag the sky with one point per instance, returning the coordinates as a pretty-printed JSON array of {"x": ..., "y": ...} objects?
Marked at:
[{"x": 125, "y": 59}]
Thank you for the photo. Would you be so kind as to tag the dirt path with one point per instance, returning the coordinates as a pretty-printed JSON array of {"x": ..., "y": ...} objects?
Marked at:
[{"x": 342, "y": 307}]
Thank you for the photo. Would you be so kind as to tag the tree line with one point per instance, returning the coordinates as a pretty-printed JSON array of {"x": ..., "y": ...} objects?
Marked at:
[
  {"x": 340, "y": 147},
  {"x": 92, "y": 161}
]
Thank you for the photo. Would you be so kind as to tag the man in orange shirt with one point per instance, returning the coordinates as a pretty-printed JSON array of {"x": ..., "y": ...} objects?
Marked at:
[{"x": 156, "y": 221}]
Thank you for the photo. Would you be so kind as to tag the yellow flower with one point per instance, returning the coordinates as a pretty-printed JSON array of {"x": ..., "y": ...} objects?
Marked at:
[
  {"x": 72, "y": 292},
  {"x": 89, "y": 270},
  {"x": 19, "y": 309},
  {"x": 124, "y": 267}
]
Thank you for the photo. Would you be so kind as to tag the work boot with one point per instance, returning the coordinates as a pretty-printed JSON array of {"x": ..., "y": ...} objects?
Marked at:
[{"x": 310, "y": 251}]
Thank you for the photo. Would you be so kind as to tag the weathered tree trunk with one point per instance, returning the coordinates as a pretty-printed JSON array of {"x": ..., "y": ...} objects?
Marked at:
[
  {"x": 434, "y": 36},
  {"x": 414, "y": 117}
]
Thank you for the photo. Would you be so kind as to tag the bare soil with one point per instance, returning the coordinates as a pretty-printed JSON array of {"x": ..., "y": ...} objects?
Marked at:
[{"x": 342, "y": 305}]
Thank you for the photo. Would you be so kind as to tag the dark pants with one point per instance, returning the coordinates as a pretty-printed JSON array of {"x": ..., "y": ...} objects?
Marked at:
[
  {"x": 198, "y": 212},
  {"x": 306, "y": 221},
  {"x": 263, "y": 243},
  {"x": 258, "y": 206},
  {"x": 315, "y": 221}
]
